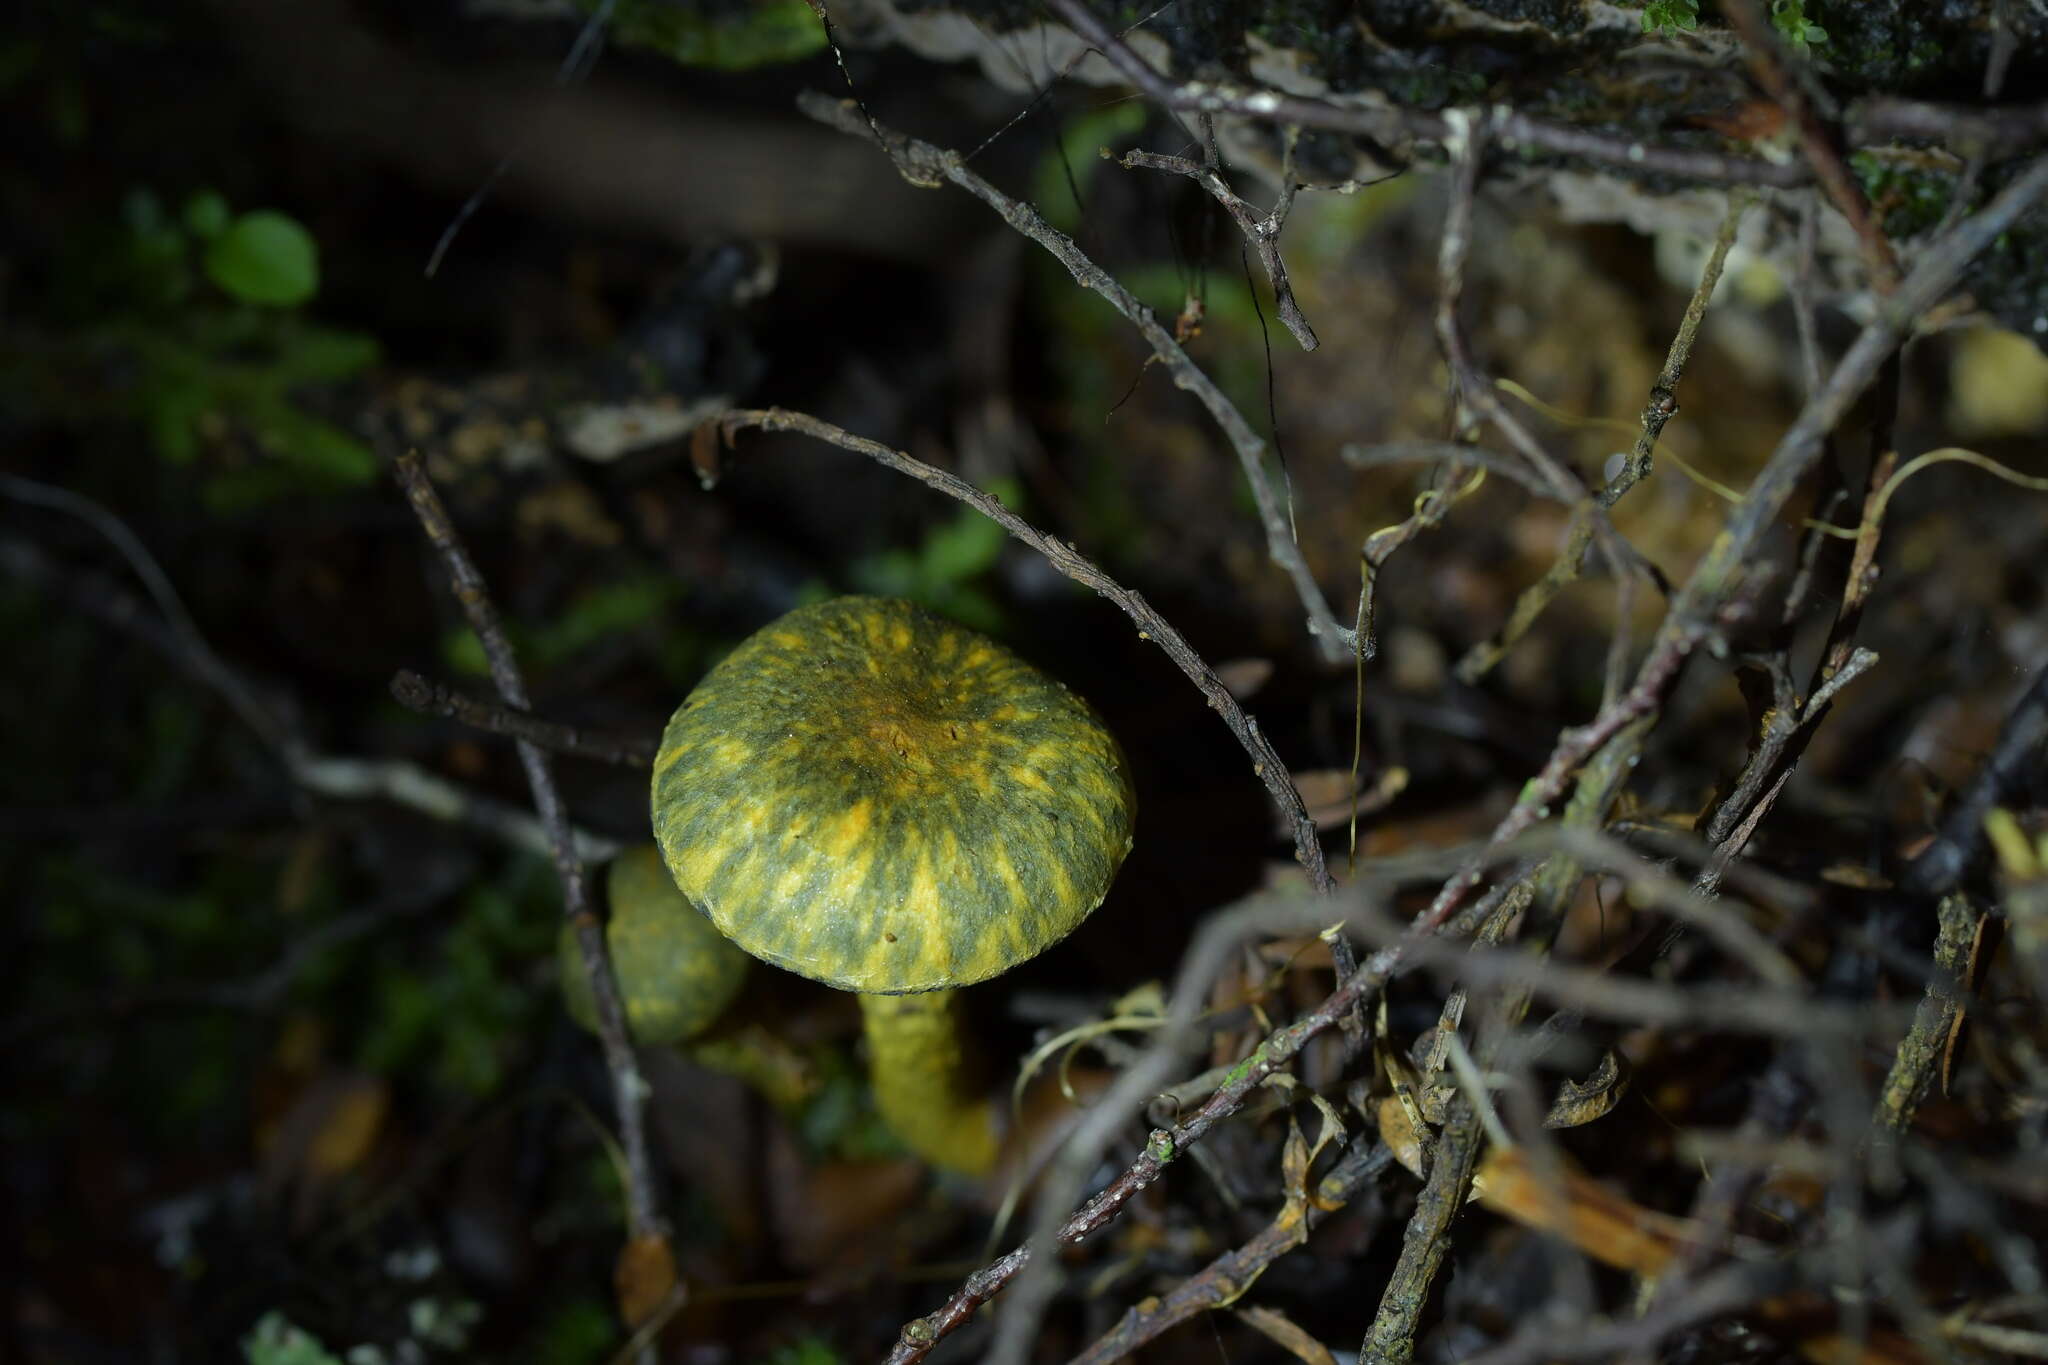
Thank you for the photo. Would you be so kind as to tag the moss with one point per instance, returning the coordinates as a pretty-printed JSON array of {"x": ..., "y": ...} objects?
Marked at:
[
  {"x": 1912, "y": 201},
  {"x": 1918, "y": 45}
]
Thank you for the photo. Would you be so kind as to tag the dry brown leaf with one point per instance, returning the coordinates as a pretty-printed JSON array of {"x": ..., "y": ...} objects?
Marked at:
[
  {"x": 644, "y": 1277},
  {"x": 348, "y": 1129},
  {"x": 1607, "y": 1226},
  {"x": 1289, "y": 1334}
]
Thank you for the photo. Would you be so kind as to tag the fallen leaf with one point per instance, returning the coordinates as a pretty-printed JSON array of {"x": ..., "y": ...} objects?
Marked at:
[
  {"x": 644, "y": 1277},
  {"x": 1289, "y": 1334}
]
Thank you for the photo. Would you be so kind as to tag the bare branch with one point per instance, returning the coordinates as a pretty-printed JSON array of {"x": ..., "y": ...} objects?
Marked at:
[
  {"x": 925, "y": 163},
  {"x": 429, "y": 698},
  {"x": 1266, "y": 763},
  {"x": 629, "y": 1090}
]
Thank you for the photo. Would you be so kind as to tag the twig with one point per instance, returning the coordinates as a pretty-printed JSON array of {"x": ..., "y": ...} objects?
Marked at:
[
  {"x": 1164, "y": 1144},
  {"x": 1921, "y": 1051},
  {"x": 1454, "y": 452},
  {"x": 262, "y": 990},
  {"x": 1261, "y": 230},
  {"x": 629, "y": 1090},
  {"x": 1266, "y": 763},
  {"x": 1777, "y": 750},
  {"x": 1662, "y": 406},
  {"x": 411, "y": 786},
  {"x": 1941, "y": 865},
  {"x": 1425, "y": 1242},
  {"x": 1723, "y": 1292},
  {"x": 429, "y": 698},
  {"x": 1760, "y": 1011},
  {"x": 924, "y": 163},
  {"x": 335, "y": 776},
  {"x": 1225, "y": 1279},
  {"x": 1691, "y": 617},
  {"x": 185, "y": 641}
]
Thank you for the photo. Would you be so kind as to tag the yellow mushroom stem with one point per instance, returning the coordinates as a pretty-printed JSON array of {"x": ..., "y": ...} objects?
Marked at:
[{"x": 923, "y": 1083}]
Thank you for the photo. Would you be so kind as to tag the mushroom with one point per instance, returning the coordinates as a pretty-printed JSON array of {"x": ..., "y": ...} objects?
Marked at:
[
  {"x": 676, "y": 973},
  {"x": 678, "y": 977},
  {"x": 869, "y": 795}
]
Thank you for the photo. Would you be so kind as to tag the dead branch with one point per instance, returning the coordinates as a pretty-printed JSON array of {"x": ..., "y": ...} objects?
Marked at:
[
  {"x": 338, "y": 777},
  {"x": 429, "y": 698},
  {"x": 1942, "y": 864},
  {"x": 924, "y": 163},
  {"x": 1925, "y": 1048},
  {"x": 1266, "y": 763},
  {"x": 629, "y": 1089},
  {"x": 1710, "y": 591},
  {"x": 1661, "y": 408},
  {"x": 1224, "y": 1280},
  {"x": 1261, "y": 230}
]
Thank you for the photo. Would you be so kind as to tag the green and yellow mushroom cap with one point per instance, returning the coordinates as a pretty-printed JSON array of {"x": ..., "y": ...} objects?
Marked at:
[
  {"x": 676, "y": 972},
  {"x": 871, "y": 796}
]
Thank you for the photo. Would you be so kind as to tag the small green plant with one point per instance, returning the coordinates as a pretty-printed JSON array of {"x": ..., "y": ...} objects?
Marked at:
[
  {"x": 201, "y": 313},
  {"x": 942, "y": 573},
  {"x": 275, "y": 1341},
  {"x": 1670, "y": 16},
  {"x": 1794, "y": 27}
]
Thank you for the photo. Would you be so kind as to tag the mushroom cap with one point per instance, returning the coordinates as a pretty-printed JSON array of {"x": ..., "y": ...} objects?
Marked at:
[
  {"x": 871, "y": 796},
  {"x": 676, "y": 972}
]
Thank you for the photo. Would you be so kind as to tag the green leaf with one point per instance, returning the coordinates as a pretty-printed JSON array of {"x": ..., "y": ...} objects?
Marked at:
[
  {"x": 315, "y": 355},
  {"x": 961, "y": 548},
  {"x": 739, "y": 37},
  {"x": 266, "y": 258},
  {"x": 206, "y": 214},
  {"x": 330, "y": 456},
  {"x": 275, "y": 1341},
  {"x": 1666, "y": 15}
]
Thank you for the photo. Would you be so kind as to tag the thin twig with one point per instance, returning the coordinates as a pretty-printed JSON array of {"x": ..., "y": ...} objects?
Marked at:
[
  {"x": 1225, "y": 1279},
  {"x": 1164, "y": 1144},
  {"x": 1261, "y": 230},
  {"x": 1714, "y": 1296},
  {"x": 1426, "y": 1240},
  {"x": 1454, "y": 452},
  {"x": 1942, "y": 864},
  {"x": 338, "y": 777},
  {"x": 1266, "y": 763},
  {"x": 1778, "y": 747},
  {"x": 430, "y": 698},
  {"x": 1661, "y": 408},
  {"x": 1920, "y": 1052},
  {"x": 924, "y": 163},
  {"x": 629, "y": 1089},
  {"x": 1707, "y": 594}
]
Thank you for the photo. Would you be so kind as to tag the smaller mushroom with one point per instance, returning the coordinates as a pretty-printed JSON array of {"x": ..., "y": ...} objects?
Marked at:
[
  {"x": 678, "y": 977},
  {"x": 676, "y": 972},
  {"x": 874, "y": 797}
]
